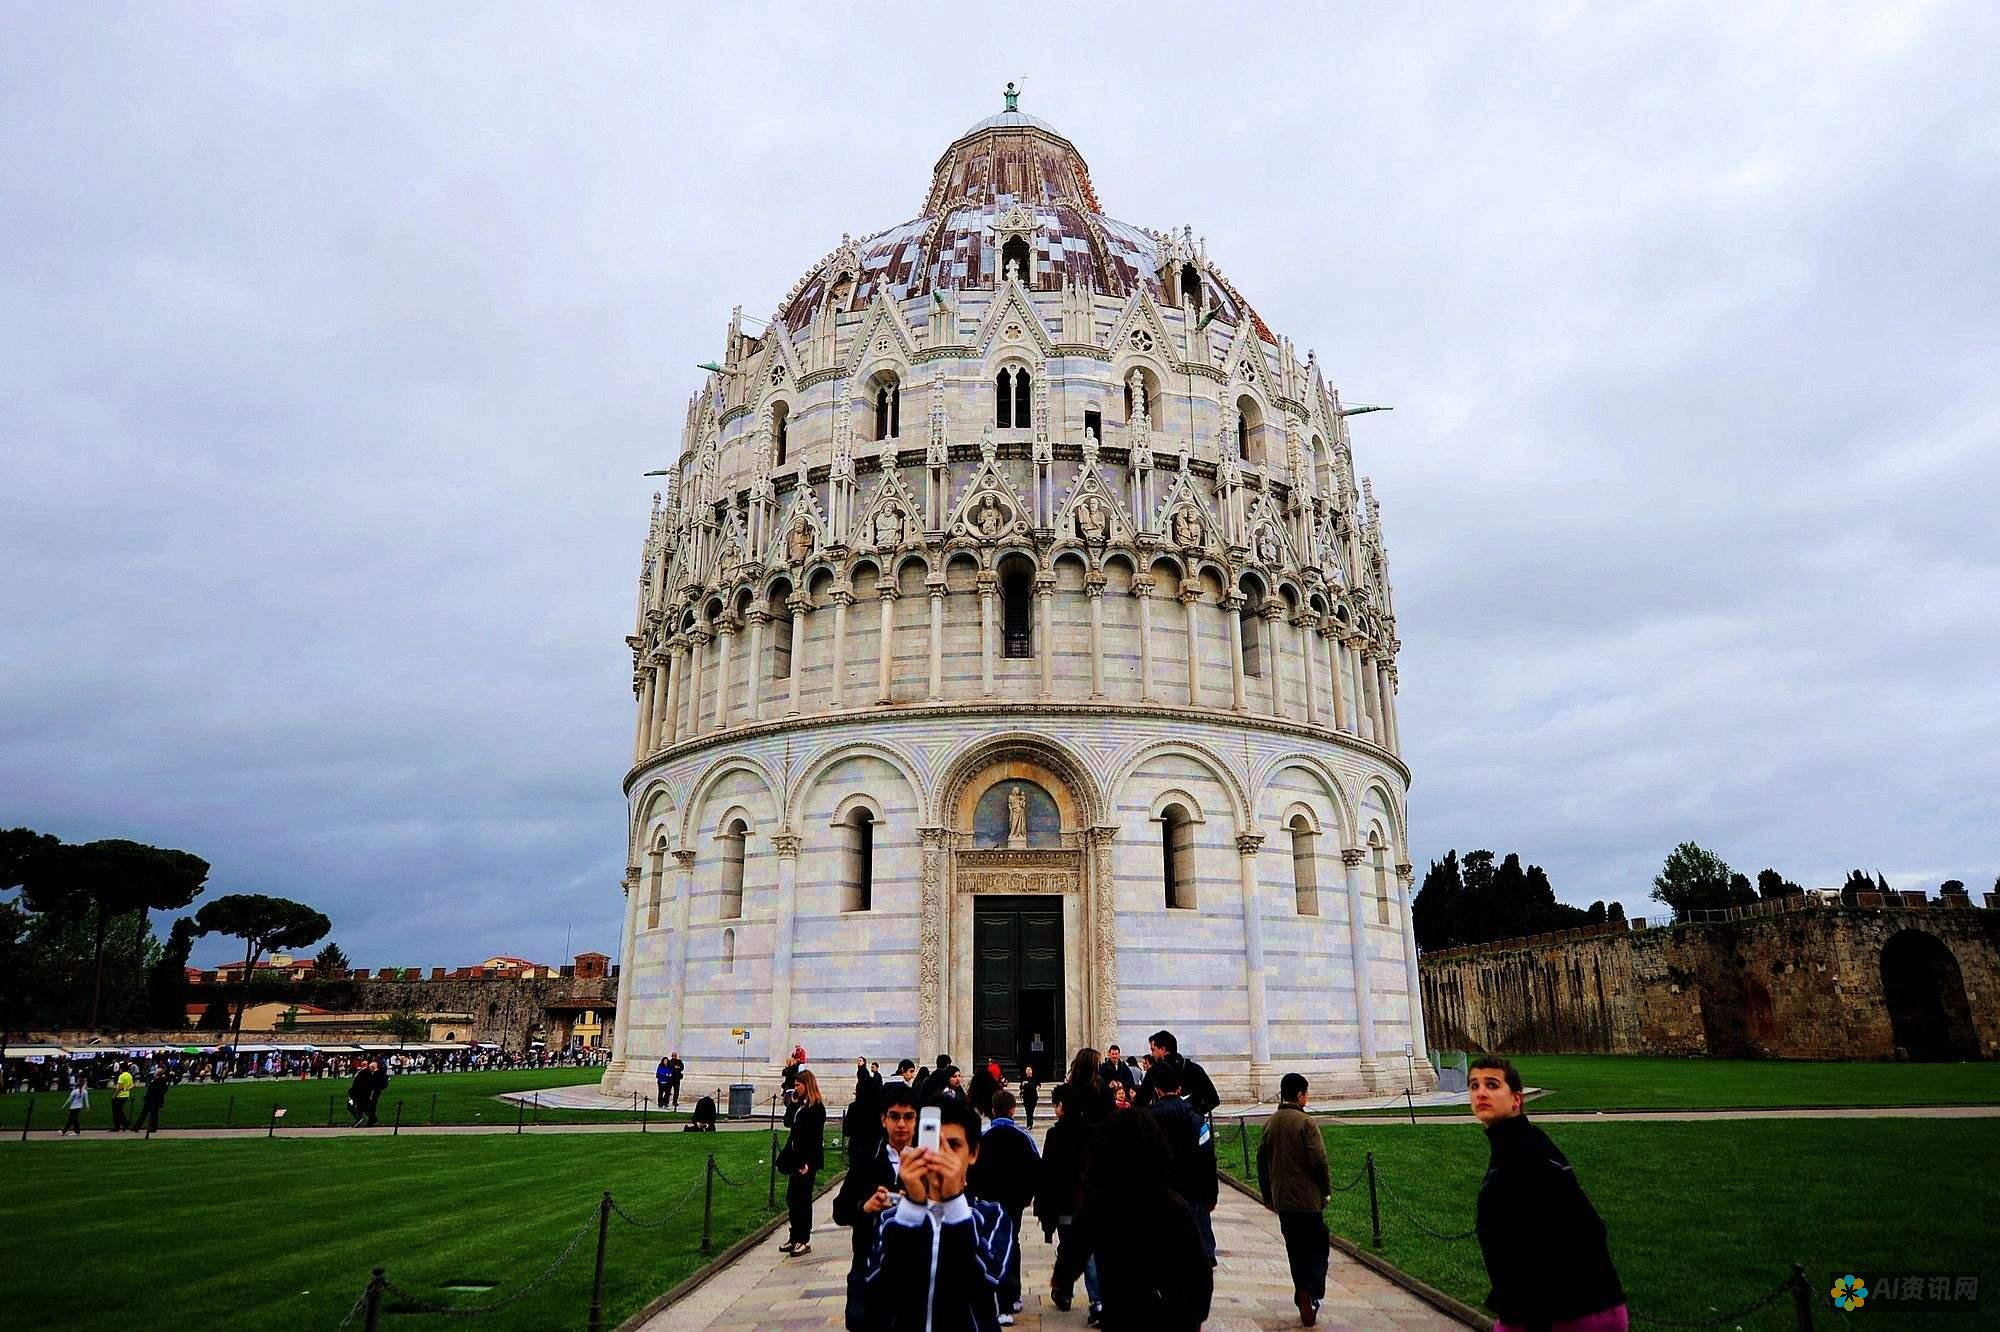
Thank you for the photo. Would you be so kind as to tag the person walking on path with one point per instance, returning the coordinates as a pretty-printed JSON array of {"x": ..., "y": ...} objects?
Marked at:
[
  {"x": 1544, "y": 1244},
  {"x": 1191, "y": 1147},
  {"x": 1292, "y": 1176},
  {"x": 663, "y": 1082},
  {"x": 1151, "y": 1267},
  {"x": 79, "y": 1101},
  {"x": 156, "y": 1097},
  {"x": 1196, "y": 1086},
  {"x": 378, "y": 1082},
  {"x": 871, "y": 1187},
  {"x": 939, "y": 1254},
  {"x": 121, "y": 1099},
  {"x": 357, "y": 1094},
  {"x": 800, "y": 1160},
  {"x": 1005, "y": 1173}
]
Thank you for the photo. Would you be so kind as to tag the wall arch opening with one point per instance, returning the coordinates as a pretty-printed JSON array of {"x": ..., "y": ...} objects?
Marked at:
[{"x": 1925, "y": 994}]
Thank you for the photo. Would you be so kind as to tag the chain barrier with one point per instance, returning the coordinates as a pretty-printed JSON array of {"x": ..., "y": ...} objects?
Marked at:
[
  {"x": 459, "y": 1311},
  {"x": 672, "y": 1212},
  {"x": 1354, "y": 1183},
  {"x": 1757, "y": 1305},
  {"x": 724, "y": 1178},
  {"x": 1411, "y": 1217},
  {"x": 353, "y": 1313}
]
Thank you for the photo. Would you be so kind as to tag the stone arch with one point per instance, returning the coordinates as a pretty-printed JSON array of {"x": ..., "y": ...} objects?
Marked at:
[
  {"x": 654, "y": 800},
  {"x": 917, "y": 557},
  {"x": 812, "y": 771},
  {"x": 1175, "y": 795},
  {"x": 1220, "y": 770},
  {"x": 1345, "y": 813},
  {"x": 704, "y": 788},
  {"x": 1923, "y": 989},
  {"x": 1397, "y": 844},
  {"x": 1081, "y": 803},
  {"x": 1153, "y": 371}
]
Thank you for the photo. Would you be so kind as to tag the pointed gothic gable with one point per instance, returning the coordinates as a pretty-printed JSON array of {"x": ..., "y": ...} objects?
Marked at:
[
  {"x": 883, "y": 332},
  {"x": 1090, "y": 484},
  {"x": 1012, "y": 319},
  {"x": 973, "y": 519},
  {"x": 733, "y": 548},
  {"x": 1185, "y": 494},
  {"x": 782, "y": 370},
  {"x": 1140, "y": 328},
  {"x": 890, "y": 494},
  {"x": 1246, "y": 362},
  {"x": 804, "y": 507},
  {"x": 1267, "y": 525}
]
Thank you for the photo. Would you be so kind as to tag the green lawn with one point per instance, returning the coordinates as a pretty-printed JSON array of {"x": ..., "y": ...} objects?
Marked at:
[
  {"x": 1640, "y": 1082},
  {"x": 462, "y": 1098},
  {"x": 1703, "y": 1217},
  {"x": 249, "y": 1233}
]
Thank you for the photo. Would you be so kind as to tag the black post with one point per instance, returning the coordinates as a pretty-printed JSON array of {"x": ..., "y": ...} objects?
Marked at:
[
  {"x": 1802, "y": 1297},
  {"x": 520, "y": 1116},
  {"x": 538, "y": 1107},
  {"x": 1374, "y": 1208},
  {"x": 28, "y": 1119},
  {"x": 397, "y": 1128},
  {"x": 272, "y": 1129},
  {"x": 1244, "y": 1134},
  {"x": 642, "y": 1116},
  {"x": 707, "y": 1201},
  {"x": 329, "y": 1112},
  {"x": 597, "y": 1282},
  {"x": 434, "y": 1109},
  {"x": 229, "y": 1116},
  {"x": 375, "y": 1284}
]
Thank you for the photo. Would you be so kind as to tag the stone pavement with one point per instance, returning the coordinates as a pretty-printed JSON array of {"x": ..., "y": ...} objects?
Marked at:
[{"x": 1253, "y": 1286}]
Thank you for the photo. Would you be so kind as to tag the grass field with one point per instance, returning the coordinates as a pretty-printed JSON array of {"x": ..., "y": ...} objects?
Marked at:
[
  {"x": 1641, "y": 1082},
  {"x": 462, "y": 1098},
  {"x": 1703, "y": 1217},
  {"x": 282, "y": 1234}
]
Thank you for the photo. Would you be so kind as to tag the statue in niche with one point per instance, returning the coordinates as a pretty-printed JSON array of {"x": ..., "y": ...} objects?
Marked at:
[
  {"x": 889, "y": 526},
  {"x": 799, "y": 545},
  {"x": 991, "y": 516},
  {"x": 1093, "y": 520},
  {"x": 1017, "y": 817},
  {"x": 1269, "y": 550},
  {"x": 1187, "y": 526}
]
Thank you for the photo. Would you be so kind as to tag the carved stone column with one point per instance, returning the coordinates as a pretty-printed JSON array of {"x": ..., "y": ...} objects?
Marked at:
[
  {"x": 699, "y": 655},
  {"x": 677, "y": 950},
  {"x": 725, "y": 649},
  {"x": 842, "y": 599},
  {"x": 786, "y": 844},
  {"x": 1305, "y": 627},
  {"x": 753, "y": 676},
  {"x": 931, "y": 959},
  {"x": 656, "y": 715},
  {"x": 670, "y": 724},
  {"x": 987, "y": 586},
  {"x": 630, "y": 953},
  {"x": 1190, "y": 597},
  {"x": 1093, "y": 588},
  {"x": 1232, "y": 605},
  {"x": 1328, "y": 632},
  {"x": 1045, "y": 600},
  {"x": 800, "y": 606},
  {"x": 642, "y": 730},
  {"x": 936, "y": 589},
  {"x": 1273, "y": 615},
  {"x": 1364, "y": 691},
  {"x": 1405, "y": 876},
  {"x": 886, "y": 595},
  {"x": 1101, "y": 922},
  {"x": 1357, "y": 959},
  {"x": 1247, "y": 845},
  {"x": 1142, "y": 588},
  {"x": 1385, "y": 688}
]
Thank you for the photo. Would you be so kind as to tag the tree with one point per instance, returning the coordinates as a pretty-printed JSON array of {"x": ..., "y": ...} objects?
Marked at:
[
  {"x": 1953, "y": 888},
  {"x": 166, "y": 983},
  {"x": 1434, "y": 913},
  {"x": 1857, "y": 882},
  {"x": 216, "y": 1016},
  {"x": 405, "y": 1025},
  {"x": 1692, "y": 880},
  {"x": 1615, "y": 913},
  {"x": 108, "y": 879},
  {"x": 289, "y": 1019},
  {"x": 1771, "y": 884},
  {"x": 1596, "y": 913},
  {"x": 1740, "y": 891},
  {"x": 330, "y": 962},
  {"x": 262, "y": 923}
]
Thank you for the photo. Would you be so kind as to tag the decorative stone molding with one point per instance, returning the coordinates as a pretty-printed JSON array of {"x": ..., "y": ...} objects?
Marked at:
[
  {"x": 1247, "y": 844},
  {"x": 1352, "y": 856},
  {"x": 786, "y": 844}
]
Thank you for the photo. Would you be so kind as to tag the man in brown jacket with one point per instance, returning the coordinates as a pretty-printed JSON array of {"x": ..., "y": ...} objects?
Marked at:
[{"x": 1291, "y": 1172}]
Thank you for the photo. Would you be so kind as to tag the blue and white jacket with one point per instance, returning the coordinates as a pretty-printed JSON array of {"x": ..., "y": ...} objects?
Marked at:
[{"x": 937, "y": 1267}]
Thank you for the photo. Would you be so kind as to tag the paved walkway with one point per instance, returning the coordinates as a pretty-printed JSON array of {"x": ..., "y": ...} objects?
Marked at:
[{"x": 1253, "y": 1285}]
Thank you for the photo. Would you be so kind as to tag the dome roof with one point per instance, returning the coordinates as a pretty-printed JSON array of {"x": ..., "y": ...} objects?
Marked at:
[{"x": 1010, "y": 166}]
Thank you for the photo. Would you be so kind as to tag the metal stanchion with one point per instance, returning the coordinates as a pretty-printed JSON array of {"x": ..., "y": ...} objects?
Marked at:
[
  {"x": 597, "y": 1281},
  {"x": 1802, "y": 1297},
  {"x": 271, "y": 1130},
  {"x": 28, "y": 1119},
  {"x": 1243, "y": 1133},
  {"x": 397, "y": 1128},
  {"x": 1374, "y": 1207},
  {"x": 538, "y": 1107},
  {"x": 374, "y": 1317},
  {"x": 434, "y": 1109},
  {"x": 642, "y": 1118},
  {"x": 520, "y": 1116},
  {"x": 229, "y": 1117},
  {"x": 329, "y": 1112},
  {"x": 771, "y": 1194},
  {"x": 707, "y": 1202}
]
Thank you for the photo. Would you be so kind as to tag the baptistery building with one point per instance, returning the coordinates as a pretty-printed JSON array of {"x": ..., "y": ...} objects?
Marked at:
[{"x": 1015, "y": 669}]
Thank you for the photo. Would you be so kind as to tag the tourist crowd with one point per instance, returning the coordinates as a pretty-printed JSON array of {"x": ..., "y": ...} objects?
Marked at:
[{"x": 99, "y": 1070}]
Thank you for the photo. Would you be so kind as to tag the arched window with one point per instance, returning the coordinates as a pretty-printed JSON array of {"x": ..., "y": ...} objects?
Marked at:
[
  {"x": 1305, "y": 866},
  {"x": 728, "y": 952},
  {"x": 780, "y": 416},
  {"x": 656, "y": 872},
  {"x": 732, "y": 869},
  {"x": 858, "y": 857},
  {"x": 1249, "y": 424},
  {"x": 1251, "y": 620},
  {"x": 781, "y": 632},
  {"x": 1243, "y": 436},
  {"x": 1017, "y": 608},
  {"x": 1190, "y": 287},
  {"x": 888, "y": 407},
  {"x": 1177, "y": 857},
  {"x": 1011, "y": 410},
  {"x": 1015, "y": 252},
  {"x": 1379, "y": 855}
]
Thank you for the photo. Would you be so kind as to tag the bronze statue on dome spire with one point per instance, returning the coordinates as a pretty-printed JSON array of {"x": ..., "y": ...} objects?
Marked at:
[{"x": 1013, "y": 98}]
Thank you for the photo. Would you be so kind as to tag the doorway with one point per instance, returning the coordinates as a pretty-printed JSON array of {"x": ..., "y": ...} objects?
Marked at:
[
  {"x": 1017, "y": 983},
  {"x": 1929, "y": 1015}
]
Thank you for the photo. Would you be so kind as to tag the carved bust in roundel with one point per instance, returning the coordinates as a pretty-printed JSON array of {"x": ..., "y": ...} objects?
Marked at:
[
  {"x": 889, "y": 526},
  {"x": 1187, "y": 526},
  {"x": 991, "y": 518},
  {"x": 1093, "y": 519}
]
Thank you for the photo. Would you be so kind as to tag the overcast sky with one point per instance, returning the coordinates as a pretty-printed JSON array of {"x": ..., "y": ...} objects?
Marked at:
[{"x": 334, "y": 340}]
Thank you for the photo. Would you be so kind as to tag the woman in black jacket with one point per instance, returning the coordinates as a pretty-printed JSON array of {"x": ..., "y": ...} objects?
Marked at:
[
  {"x": 804, "y": 1154},
  {"x": 1152, "y": 1269},
  {"x": 1544, "y": 1244}
]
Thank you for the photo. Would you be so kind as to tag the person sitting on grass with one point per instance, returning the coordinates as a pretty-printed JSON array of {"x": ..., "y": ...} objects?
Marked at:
[
  {"x": 1543, "y": 1242},
  {"x": 939, "y": 1256}
]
